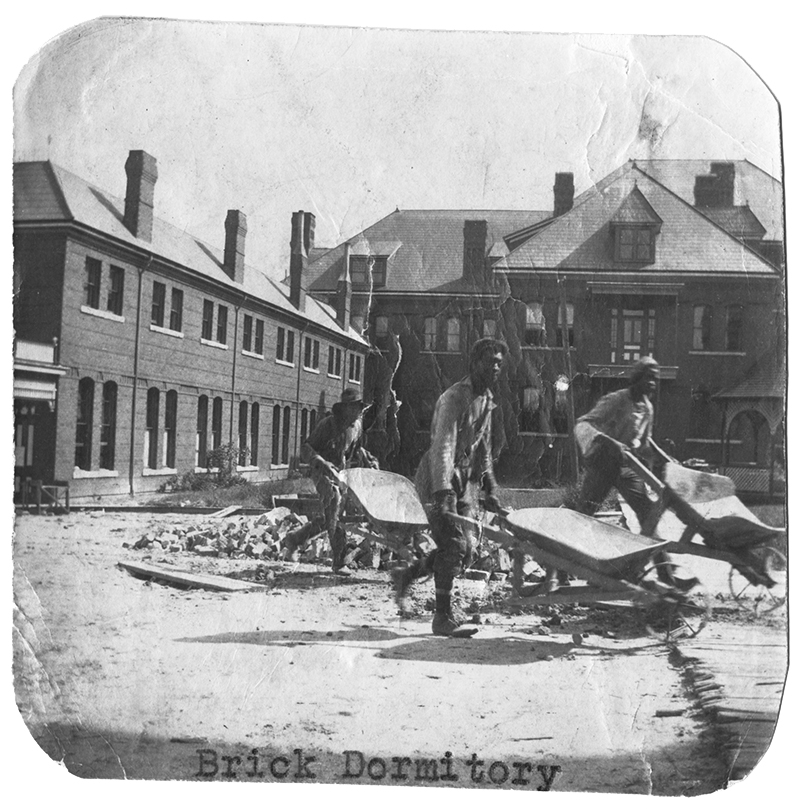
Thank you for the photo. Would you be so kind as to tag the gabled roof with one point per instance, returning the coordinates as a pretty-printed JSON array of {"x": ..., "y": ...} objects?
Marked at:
[
  {"x": 635, "y": 210},
  {"x": 739, "y": 221},
  {"x": 581, "y": 240},
  {"x": 44, "y": 192},
  {"x": 766, "y": 379},
  {"x": 753, "y": 187},
  {"x": 429, "y": 254}
]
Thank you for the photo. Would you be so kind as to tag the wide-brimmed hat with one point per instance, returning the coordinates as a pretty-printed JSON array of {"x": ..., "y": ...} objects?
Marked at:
[{"x": 349, "y": 396}]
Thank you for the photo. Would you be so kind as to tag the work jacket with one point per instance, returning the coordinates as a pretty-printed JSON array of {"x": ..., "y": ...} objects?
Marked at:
[
  {"x": 618, "y": 416},
  {"x": 461, "y": 442}
]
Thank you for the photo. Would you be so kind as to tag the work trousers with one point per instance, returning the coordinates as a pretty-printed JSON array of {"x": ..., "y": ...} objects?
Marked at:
[
  {"x": 455, "y": 544},
  {"x": 330, "y": 494}
]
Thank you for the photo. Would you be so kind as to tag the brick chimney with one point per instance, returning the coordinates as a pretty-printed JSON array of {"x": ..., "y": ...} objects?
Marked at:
[
  {"x": 474, "y": 249},
  {"x": 715, "y": 190},
  {"x": 344, "y": 293},
  {"x": 301, "y": 244},
  {"x": 235, "y": 231},
  {"x": 142, "y": 175},
  {"x": 563, "y": 193}
]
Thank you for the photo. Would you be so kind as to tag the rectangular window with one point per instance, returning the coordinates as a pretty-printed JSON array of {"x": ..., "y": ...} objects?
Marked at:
[
  {"x": 453, "y": 334},
  {"x": 535, "y": 325},
  {"x": 359, "y": 271},
  {"x": 311, "y": 354},
  {"x": 570, "y": 326},
  {"x": 429, "y": 334},
  {"x": 284, "y": 348},
  {"x": 733, "y": 331},
  {"x": 83, "y": 427},
  {"x": 701, "y": 328},
  {"x": 254, "y": 417},
  {"x": 222, "y": 324},
  {"x": 208, "y": 320},
  {"x": 92, "y": 285},
  {"x": 635, "y": 244},
  {"x": 108, "y": 426},
  {"x": 170, "y": 428},
  {"x": 115, "y": 290},
  {"x": 355, "y": 368},
  {"x": 334, "y": 361},
  {"x": 489, "y": 327},
  {"x": 201, "y": 442},
  {"x": 176, "y": 310},
  {"x": 303, "y": 425},
  {"x": 379, "y": 272},
  {"x": 259, "y": 344},
  {"x": 159, "y": 299},
  {"x": 247, "y": 333}
]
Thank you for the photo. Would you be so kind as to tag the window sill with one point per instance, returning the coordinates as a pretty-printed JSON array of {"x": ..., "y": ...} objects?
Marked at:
[
  {"x": 79, "y": 474},
  {"x": 334, "y": 376},
  {"x": 247, "y": 469},
  {"x": 311, "y": 370},
  {"x": 547, "y": 348},
  {"x": 284, "y": 362},
  {"x": 533, "y": 434},
  {"x": 213, "y": 344},
  {"x": 731, "y": 441},
  {"x": 252, "y": 354},
  {"x": 699, "y": 353},
  {"x": 152, "y": 473},
  {"x": 279, "y": 466},
  {"x": 87, "y": 310},
  {"x": 458, "y": 352},
  {"x": 165, "y": 330},
  {"x": 204, "y": 470},
  {"x": 354, "y": 381}
]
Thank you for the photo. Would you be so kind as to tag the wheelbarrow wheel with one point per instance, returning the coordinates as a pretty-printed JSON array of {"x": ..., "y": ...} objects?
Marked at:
[
  {"x": 677, "y": 615},
  {"x": 764, "y": 599}
]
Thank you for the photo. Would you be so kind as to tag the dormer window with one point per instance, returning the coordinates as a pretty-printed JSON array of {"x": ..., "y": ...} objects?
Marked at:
[
  {"x": 635, "y": 244},
  {"x": 634, "y": 227},
  {"x": 360, "y": 271}
]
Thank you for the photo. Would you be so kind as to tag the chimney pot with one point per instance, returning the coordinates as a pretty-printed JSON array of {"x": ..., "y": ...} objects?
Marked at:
[
  {"x": 475, "y": 233},
  {"x": 563, "y": 193},
  {"x": 142, "y": 173},
  {"x": 300, "y": 244},
  {"x": 235, "y": 232}
]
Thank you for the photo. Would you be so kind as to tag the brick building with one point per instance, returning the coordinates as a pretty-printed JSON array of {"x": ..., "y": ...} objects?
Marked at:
[
  {"x": 679, "y": 259},
  {"x": 139, "y": 349}
]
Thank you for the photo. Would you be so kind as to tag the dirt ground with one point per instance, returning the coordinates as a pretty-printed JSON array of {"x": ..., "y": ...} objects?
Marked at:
[{"x": 117, "y": 677}]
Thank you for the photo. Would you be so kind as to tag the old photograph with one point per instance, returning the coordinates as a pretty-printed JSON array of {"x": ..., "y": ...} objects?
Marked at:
[{"x": 402, "y": 408}]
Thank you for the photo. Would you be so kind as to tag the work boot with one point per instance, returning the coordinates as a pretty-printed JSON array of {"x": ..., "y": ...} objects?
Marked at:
[
  {"x": 445, "y": 624},
  {"x": 402, "y": 579}
]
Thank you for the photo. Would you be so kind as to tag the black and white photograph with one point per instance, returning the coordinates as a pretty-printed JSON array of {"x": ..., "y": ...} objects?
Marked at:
[{"x": 398, "y": 407}]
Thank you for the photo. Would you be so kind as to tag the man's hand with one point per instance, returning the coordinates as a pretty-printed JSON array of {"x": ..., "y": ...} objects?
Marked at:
[
  {"x": 616, "y": 447},
  {"x": 445, "y": 501},
  {"x": 323, "y": 465}
]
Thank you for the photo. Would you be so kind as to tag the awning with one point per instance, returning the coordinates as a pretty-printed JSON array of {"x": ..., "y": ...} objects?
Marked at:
[
  {"x": 634, "y": 288},
  {"x": 38, "y": 390}
]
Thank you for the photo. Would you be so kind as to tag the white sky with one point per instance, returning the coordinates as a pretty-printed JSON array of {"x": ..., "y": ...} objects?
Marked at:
[
  {"x": 351, "y": 123},
  {"x": 329, "y": 126}
]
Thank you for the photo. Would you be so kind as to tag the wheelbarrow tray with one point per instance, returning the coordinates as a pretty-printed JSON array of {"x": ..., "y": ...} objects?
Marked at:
[
  {"x": 386, "y": 498},
  {"x": 584, "y": 540}
]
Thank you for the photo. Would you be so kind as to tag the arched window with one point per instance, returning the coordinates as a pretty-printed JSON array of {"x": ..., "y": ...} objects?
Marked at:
[
  {"x": 243, "y": 434},
  {"x": 749, "y": 439},
  {"x": 276, "y": 435},
  {"x": 216, "y": 423},
  {"x": 108, "y": 426},
  {"x": 701, "y": 329},
  {"x": 535, "y": 334},
  {"x": 453, "y": 334},
  {"x": 287, "y": 415},
  {"x": 83, "y": 426},
  {"x": 303, "y": 425},
  {"x": 254, "y": 417},
  {"x": 170, "y": 428},
  {"x": 312, "y": 421},
  {"x": 151, "y": 428},
  {"x": 201, "y": 444}
]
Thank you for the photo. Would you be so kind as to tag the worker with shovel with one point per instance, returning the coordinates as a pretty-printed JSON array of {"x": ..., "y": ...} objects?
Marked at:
[
  {"x": 451, "y": 474},
  {"x": 336, "y": 444}
]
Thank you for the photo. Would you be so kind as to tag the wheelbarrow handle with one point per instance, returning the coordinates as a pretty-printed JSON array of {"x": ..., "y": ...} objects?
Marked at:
[{"x": 644, "y": 472}]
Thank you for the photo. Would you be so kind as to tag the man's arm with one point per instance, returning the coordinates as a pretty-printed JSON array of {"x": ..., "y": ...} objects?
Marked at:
[
  {"x": 442, "y": 452},
  {"x": 309, "y": 451}
]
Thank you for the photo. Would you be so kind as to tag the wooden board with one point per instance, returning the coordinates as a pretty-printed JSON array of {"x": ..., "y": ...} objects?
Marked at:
[
  {"x": 185, "y": 579},
  {"x": 385, "y": 497}
]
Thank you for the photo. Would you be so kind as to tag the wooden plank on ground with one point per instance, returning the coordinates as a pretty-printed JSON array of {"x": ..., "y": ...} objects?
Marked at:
[
  {"x": 186, "y": 579},
  {"x": 226, "y": 512}
]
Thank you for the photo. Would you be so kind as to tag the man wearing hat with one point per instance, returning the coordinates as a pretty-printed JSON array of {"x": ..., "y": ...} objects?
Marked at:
[
  {"x": 456, "y": 467},
  {"x": 622, "y": 422},
  {"x": 336, "y": 444}
]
